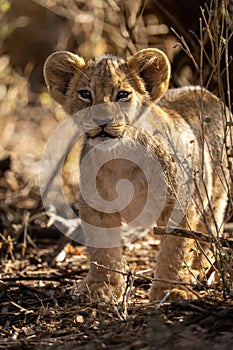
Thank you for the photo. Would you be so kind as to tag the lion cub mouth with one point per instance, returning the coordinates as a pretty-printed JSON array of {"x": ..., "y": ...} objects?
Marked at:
[
  {"x": 108, "y": 131},
  {"x": 102, "y": 134}
]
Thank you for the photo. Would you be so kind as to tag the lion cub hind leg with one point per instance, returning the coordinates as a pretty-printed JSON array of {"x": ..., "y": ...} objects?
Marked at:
[{"x": 212, "y": 225}]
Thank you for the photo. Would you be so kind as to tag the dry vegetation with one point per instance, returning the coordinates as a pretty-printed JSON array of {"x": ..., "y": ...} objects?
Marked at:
[{"x": 38, "y": 306}]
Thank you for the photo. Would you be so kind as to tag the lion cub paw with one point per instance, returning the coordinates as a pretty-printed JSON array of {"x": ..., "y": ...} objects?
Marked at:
[
  {"x": 158, "y": 291},
  {"x": 89, "y": 291}
]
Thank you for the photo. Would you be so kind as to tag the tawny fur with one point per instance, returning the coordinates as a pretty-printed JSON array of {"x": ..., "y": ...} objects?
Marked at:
[{"x": 192, "y": 115}]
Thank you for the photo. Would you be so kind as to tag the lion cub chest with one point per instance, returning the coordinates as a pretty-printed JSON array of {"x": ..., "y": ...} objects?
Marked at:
[{"x": 112, "y": 180}]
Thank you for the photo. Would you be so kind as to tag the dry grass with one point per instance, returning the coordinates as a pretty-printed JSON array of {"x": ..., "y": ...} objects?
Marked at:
[{"x": 38, "y": 307}]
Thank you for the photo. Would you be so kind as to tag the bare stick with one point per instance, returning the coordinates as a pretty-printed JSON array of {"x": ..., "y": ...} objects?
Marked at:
[
  {"x": 180, "y": 232},
  {"x": 148, "y": 278}
]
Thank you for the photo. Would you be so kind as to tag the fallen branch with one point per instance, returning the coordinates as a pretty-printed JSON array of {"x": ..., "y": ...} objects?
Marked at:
[{"x": 180, "y": 232}]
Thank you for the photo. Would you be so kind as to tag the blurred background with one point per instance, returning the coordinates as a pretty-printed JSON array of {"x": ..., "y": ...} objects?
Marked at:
[
  {"x": 36, "y": 290},
  {"x": 31, "y": 29},
  {"x": 196, "y": 35}
]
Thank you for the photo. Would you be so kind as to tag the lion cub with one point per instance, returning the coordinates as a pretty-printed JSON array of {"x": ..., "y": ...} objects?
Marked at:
[{"x": 169, "y": 144}]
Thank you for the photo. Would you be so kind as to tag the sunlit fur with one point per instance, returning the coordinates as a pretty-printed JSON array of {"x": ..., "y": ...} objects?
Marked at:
[{"x": 193, "y": 115}]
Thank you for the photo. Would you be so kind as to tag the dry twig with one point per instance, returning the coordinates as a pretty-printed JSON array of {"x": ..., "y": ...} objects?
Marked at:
[{"x": 180, "y": 232}]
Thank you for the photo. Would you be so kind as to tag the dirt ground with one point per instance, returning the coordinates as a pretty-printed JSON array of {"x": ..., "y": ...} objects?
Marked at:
[
  {"x": 38, "y": 305},
  {"x": 39, "y": 309}
]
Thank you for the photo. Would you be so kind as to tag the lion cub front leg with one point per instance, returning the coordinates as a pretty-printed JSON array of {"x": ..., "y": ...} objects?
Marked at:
[
  {"x": 173, "y": 265},
  {"x": 101, "y": 282}
]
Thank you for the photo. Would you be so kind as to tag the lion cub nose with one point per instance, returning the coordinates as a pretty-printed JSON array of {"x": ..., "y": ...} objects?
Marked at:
[{"x": 101, "y": 121}]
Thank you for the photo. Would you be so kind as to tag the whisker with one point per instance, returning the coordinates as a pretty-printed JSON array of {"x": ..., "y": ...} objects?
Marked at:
[
  {"x": 84, "y": 74},
  {"x": 129, "y": 73}
]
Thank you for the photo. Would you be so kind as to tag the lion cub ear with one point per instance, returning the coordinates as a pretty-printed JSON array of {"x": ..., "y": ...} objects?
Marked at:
[
  {"x": 59, "y": 69},
  {"x": 153, "y": 67}
]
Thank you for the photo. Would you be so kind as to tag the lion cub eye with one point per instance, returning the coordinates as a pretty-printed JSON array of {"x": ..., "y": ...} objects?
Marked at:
[
  {"x": 85, "y": 95},
  {"x": 123, "y": 95}
]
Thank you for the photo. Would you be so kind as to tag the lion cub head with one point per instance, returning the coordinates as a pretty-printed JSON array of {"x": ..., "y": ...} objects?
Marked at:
[{"x": 119, "y": 87}]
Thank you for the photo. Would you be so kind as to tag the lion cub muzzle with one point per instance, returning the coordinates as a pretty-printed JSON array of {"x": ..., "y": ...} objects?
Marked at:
[
  {"x": 113, "y": 130},
  {"x": 106, "y": 120}
]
